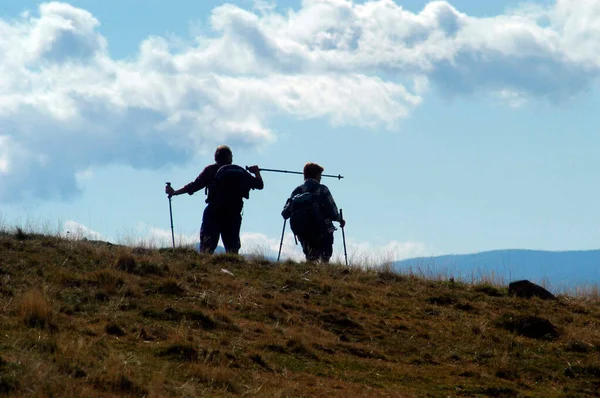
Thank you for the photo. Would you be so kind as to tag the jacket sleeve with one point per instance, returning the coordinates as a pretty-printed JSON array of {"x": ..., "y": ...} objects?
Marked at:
[
  {"x": 255, "y": 183},
  {"x": 287, "y": 209},
  {"x": 203, "y": 179},
  {"x": 331, "y": 209}
]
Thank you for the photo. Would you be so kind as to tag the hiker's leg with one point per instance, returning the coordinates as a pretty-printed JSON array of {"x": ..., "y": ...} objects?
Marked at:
[
  {"x": 310, "y": 251},
  {"x": 326, "y": 248},
  {"x": 230, "y": 233},
  {"x": 209, "y": 231}
]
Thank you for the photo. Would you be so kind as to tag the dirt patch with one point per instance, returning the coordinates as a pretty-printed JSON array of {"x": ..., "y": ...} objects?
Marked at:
[
  {"x": 341, "y": 324},
  {"x": 179, "y": 352},
  {"x": 529, "y": 326}
]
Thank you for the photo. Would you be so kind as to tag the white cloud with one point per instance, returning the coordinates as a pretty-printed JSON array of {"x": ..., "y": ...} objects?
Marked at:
[
  {"x": 74, "y": 230},
  {"x": 364, "y": 254},
  {"x": 66, "y": 106},
  {"x": 369, "y": 254},
  {"x": 83, "y": 175},
  {"x": 512, "y": 98},
  {"x": 63, "y": 33},
  {"x": 150, "y": 236},
  {"x": 254, "y": 243}
]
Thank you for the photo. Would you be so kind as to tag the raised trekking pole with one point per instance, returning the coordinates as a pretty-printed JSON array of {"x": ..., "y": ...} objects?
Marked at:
[
  {"x": 339, "y": 177},
  {"x": 281, "y": 243},
  {"x": 344, "y": 238},
  {"x": 171, "y": 214}
]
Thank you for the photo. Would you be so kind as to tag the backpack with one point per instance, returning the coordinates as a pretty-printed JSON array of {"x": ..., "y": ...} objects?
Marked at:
[
  {"x": 229, "y": 186},
  {"x": 305, "y": 216}
]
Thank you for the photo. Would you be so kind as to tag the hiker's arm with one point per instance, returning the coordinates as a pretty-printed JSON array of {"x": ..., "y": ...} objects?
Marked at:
[
  {"x": 257, "y": 181},
  {"x": 334, "y": 212},
  {"x": 199, "y": 183},
  {"x": 173, "y": 192},
  {"x": 287, "y": 209}
]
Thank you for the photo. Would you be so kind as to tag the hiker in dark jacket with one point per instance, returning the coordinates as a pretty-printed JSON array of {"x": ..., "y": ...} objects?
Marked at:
[
  {"x": 317, "y": 242},
  {"x": 226, "y": 190}
]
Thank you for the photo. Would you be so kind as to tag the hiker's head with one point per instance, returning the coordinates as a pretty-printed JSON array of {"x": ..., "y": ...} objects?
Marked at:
[
  {"x": 313, "y": 170},
  {"x": 223, "y": 155}
]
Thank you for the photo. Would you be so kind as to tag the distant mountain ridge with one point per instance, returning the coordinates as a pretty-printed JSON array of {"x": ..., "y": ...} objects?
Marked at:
[{"x": 558, "y": 269}]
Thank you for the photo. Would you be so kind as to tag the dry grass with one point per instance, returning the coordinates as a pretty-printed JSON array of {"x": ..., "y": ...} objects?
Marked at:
[
  {"x": 34, "y": 310},
  {"x": 102, "y": 320}
]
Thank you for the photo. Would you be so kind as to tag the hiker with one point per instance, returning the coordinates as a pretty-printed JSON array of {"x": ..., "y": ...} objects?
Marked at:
[
  {"x": 227, "y": 184},
  {"x": 311, "y": 210}
]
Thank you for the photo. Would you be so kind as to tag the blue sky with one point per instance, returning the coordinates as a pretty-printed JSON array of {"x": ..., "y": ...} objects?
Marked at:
[{"x": 459, "y": 126}]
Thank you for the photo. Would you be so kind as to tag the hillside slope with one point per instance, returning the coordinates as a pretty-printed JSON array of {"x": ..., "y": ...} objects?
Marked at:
[{"x": 100, "y": 320}]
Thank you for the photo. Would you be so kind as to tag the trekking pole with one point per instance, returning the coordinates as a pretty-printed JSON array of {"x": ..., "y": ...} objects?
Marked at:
[
  {"x": 171, "y": 214},
  {"x": 344, "y": 238},
  {"x": 339, "y": 177},
  {"x": 281, "y": 243}
]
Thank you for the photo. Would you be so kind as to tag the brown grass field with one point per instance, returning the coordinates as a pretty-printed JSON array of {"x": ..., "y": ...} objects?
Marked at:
[{"x": 90, "y": 319}]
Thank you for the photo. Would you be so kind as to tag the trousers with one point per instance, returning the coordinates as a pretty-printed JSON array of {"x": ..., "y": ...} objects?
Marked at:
[
  {"x": 224, "y": 223},
  {"x": 318, "y": 249}
]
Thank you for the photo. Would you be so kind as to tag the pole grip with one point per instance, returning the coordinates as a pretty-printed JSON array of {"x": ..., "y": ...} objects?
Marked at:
[{"x": 248, "y": 168}]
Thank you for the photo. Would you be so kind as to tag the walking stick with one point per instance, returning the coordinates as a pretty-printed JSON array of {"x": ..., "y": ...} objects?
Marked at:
[
  {"x": 281, "y": 243},
  {"x": 171, "y": 214},
  {"x": 339, "y": 177},
  {"x": 344, "y": 238}
]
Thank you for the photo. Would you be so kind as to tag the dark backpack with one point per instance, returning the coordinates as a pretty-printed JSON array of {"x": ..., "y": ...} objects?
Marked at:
[
  {"x": 230, "y": 185},
  {"x": 305, "y": 216}
]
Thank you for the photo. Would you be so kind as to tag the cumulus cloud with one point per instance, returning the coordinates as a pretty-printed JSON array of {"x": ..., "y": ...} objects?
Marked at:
[
  {"x": 150, "y": 236},
  {"x": 67, "y": 107},
  {"x": 369, "y": 254},
  {"x": 74, "y": 230},
  {"x": 363, "y": 254}
]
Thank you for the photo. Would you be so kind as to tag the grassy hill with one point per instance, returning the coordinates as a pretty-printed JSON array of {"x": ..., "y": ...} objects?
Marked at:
[{"x": 93, "y": 319}]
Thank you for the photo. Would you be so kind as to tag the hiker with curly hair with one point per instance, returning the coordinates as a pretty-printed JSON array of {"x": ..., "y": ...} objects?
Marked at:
[{"x": 312, "y": 210}]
